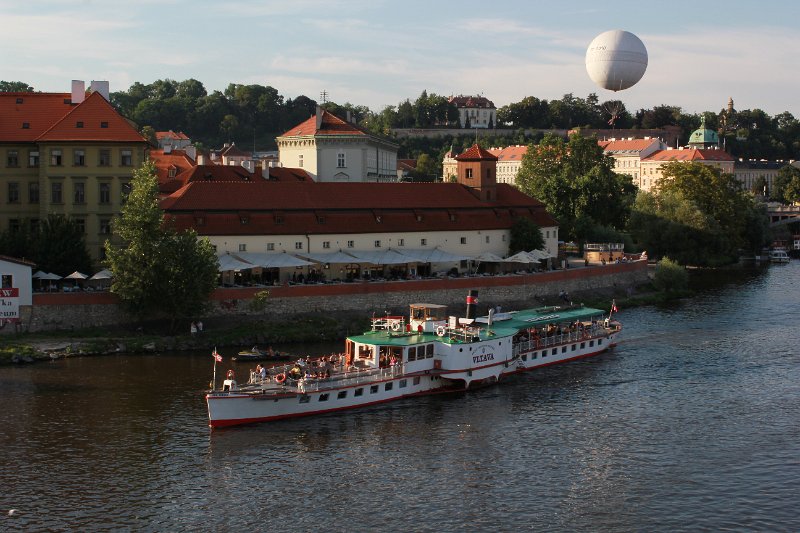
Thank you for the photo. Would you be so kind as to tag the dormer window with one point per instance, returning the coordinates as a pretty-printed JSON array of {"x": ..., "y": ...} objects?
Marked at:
[
  {"x": 26, "y": 125},
  {"x": 244, "y": 219},
  {"x": 279, "y": 219},
  {"x": 320, "y": 219},
  {"x": 419, "y": 218},
  {"x": 171, "y": 172},
  {"x": 104, "y": 124},
  {"x": 79, "y": 124}
]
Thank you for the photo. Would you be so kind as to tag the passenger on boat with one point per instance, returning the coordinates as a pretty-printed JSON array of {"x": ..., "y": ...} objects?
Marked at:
[
  {"x": 262, "y": 372},
  {"x": 270, "y": 352}
]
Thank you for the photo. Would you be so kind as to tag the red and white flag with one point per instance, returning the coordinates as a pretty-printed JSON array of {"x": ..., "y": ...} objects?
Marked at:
[
  {"x": 216, "y": 356},
  {"x": 614, "y": 308}
]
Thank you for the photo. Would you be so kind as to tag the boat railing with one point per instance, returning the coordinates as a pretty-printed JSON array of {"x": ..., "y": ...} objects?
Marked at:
[
  {"x": 537, "y": 343},
  {"x": 350, "y": 378},
  {"x": 392, "y": 323}
]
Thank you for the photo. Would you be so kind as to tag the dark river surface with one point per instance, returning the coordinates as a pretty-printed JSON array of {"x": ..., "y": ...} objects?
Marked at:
[{"x": 691, "y": 424}]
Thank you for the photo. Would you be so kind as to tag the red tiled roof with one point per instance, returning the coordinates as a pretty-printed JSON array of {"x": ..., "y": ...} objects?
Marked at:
[
  {"x": 91, "y": 115},
  {"x": 690, "y": 154},
  {"x": 472, "y": 102},
  {"x": 626, "y": 145},
  {"x": 345, "y": 207},
  {"x": 233, "y": 151},
  {"x": 476, "y": 153},
  {"x": 509, "y": 153},
  {"x": 38, "y": 110},
  {"x": 180, "y": 136},
  {"x": 288, "y": 174},
  {"x": 406, "y": 164},
  {"x": 331, "y": 125}
]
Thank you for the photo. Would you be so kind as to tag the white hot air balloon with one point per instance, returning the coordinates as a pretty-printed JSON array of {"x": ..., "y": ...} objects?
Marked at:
[{"x": 616, "y": 60}]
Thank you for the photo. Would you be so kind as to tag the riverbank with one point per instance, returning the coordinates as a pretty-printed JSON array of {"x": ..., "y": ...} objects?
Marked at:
[{"x": 227, "y": 332}]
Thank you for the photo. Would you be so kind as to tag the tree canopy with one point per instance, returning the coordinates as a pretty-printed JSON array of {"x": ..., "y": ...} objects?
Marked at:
[
  {"x": 158, "y": 272},
  {"x": 698, "y": 215},
  {"x": 576, "y": 181},
  {"x": 525, "y": 236},
  {"x": 57, "y": 244}
]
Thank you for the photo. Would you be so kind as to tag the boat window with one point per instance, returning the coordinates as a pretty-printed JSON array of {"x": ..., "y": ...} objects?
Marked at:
[
  {"x": 563, "y": 349},
  {"x": 583, "y": 345},
  {"x": 573, "y": 347},
  {"x": 373, "y": 389},
  {"x": 412, "y": 354},
  {"x": 591, "y": 343},
  {"x": 403, "y": 383},
  {"x": 555, "y": 351},
  {"x": 429, "y": 351},
  {"x": 544, "y": 353},
  {"x": 524, "y": 357},
  {"x": 389, "y": 386},
  {"x": 534, "y": 355},
  {"x": 342, "y": 394},
  {"x": 365, "y": 351},
  {"x": 416, "y": 380},
  {"x": 323, "y": 397},
  {"x": 359, "y": 392},
  {"x": 305, "y": 399},
  {"x": 599, "y": 342}
]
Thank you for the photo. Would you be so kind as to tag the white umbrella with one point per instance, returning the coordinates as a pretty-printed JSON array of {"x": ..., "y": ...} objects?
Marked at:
[
  {"x": 278, "y": 260},
  {"x": 51, "y": 276},
  {"x": 385, "y": 257},
  {"x": 77, "y": 275},
  {"x": 433, "y": 255},
  {"x": 228, "y": 262},
  {"x": 332, "y": 257},
  {"x": 39, "y": 275},
  {"x": 521, "y": 257},
  {"x": 103, "y": 274},
  {"x": 539, "y": 254},
  {"x": 488, "y": 257}
]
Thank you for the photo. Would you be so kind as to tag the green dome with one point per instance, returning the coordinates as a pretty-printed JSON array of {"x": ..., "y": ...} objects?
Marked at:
[{"x": 703, "y": 137}]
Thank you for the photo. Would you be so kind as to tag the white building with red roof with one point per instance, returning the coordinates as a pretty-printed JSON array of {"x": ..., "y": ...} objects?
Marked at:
[
  {"x": 169, "y": 140},
  {"x": 332, "y": 149},
  {"x": 475, "y": 111},
  {"x": 628, "y": 154},
  {"x": 509, "y": 161},
  {"x": 652, "y": 165}
]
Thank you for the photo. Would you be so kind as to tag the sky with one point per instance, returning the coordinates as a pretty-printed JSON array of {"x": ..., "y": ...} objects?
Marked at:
[{"x": 381, "y": 52}]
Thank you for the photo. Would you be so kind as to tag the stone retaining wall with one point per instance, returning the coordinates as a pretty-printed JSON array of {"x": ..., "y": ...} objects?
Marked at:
[{"x": 81, "y": 310}]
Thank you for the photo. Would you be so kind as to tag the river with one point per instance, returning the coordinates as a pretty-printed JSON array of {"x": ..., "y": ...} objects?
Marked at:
[{"x": 691, "y": 424}]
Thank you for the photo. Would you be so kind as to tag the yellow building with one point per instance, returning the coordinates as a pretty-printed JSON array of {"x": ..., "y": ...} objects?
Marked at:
[{"x": 66, "y": 154}]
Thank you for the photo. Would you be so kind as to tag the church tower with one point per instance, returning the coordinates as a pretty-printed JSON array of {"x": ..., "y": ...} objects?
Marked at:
[{"x": 477, "y": 169}]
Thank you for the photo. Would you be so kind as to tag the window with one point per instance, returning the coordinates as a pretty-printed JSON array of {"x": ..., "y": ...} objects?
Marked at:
[
  {"x": 555, "y": 351},
  {"x": 563, "y": 349},
  {"x": 298, "y": 245},
  {"x": 403, "y": 383},
  {"x": 105, "y": 226},
  {"x": 469, "y": 172},
  {"x": 429, "y": 351},
  {"x": 463, "y": 240},
  {"x": 105, "y": 193},
  {"x": 105, "y": 158},
  {"x": 423, "y": 242},
  {"x": 373, "y": 389},
  {"x": 342, "y": 394},
  {"x": 487, "y": 239},
  {"x": 351, "y": 244},
  {"x": 80, "y": 223},
  {"x": 26, "y": 125},
  {"x": 377, "y": 244},
  {"x": 412, "y": 354},
  {"x": 416, "y": 381},
  {"x": 340, "y": 161},
  {"x": 79, "y": 124},
  {"x": 359, "y": 392},
  {"x": 278, "y": 219},
  {"x": 323, "y": 397},
  {"x": 55, "y": 192},
  {"x": 104, "y": 124},
  {"x": 33, "y": 158},
  {"x": 13, "y": 192},
  {"x": 401, "y": 242},
  {"x": 78, "y": 192},
  {"x": 504, "y": 237},
  {"x": 270, "y": 246},
  {"x": 33, "y": 192},
  {"x": 320, "y": 219},
  {"x": 389, "y": 386},
  {"x": 125, "y": 191},
  {"x": 55, "y": 157},
  {"x": 242, "y": 247},
  {"x": 300, "y": 160},
  {"x": 305, "y": 398},
  {"x": 326, "y": 244},
  {"x": 13, "y": 225},
  {"x": 126, "y": 158},
  {"x": 13, "y": 158}
]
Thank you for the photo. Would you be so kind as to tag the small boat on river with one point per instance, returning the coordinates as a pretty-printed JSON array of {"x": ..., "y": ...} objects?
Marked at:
[
  {"x": 778, "y": 255},
  {"x": 426, "y": 352},
  {"x": 256, "y": 354}
]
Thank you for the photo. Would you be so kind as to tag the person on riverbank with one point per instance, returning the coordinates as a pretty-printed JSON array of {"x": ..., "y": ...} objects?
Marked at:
[{"x": 193, "y": 329}]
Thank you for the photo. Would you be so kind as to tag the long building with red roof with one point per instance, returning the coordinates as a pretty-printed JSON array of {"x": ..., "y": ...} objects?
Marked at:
[{"x": 66, "y": 154}]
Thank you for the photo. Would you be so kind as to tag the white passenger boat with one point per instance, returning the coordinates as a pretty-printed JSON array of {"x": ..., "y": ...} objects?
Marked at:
[
  {"x": 424, "y": 353},
  {"x": 778, "y": 255}
]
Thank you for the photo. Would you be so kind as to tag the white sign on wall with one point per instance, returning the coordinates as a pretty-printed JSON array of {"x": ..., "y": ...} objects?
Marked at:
[{"x": 9, "y": 305}]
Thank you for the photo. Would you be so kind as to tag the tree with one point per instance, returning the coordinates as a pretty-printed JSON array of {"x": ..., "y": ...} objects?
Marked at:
[
  {"x": 57, "y": 244},
  {"x": 15, "y": 87},
  {"x": 786, "y": 185},
  {"x": 158, "y": 271},
  {"x": 575, "y": 180},
  {"x": 670, "y": 276},
  {"x": 525, "y": 236}
]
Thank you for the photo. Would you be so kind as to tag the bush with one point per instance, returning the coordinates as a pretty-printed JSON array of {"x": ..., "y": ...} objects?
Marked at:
[{"x": 670, "y": 276}]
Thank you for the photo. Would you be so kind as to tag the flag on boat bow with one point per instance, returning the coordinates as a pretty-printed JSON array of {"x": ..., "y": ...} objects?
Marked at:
[{"x": 216, "y": 356}]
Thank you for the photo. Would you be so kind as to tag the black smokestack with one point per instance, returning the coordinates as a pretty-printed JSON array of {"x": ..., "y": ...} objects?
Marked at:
[{"x": 472, "y": 303}]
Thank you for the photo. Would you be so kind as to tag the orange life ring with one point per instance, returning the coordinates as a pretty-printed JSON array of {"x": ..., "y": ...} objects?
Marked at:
[
  {"x": 230, "y": 374},
  {"x": 280, "y": 378}
]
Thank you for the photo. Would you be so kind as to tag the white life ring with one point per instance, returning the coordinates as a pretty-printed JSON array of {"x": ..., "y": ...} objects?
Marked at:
[
  {"x": 395, "y": 326},
  {"x": 441, "y": 330}
]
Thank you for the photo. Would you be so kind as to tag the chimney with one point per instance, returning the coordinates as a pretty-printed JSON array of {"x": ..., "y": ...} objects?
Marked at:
[
  {"x": 167, "y": 148},
  {"x": 191, "y": 151},
  {"x": 201, "y": 159},
  {"x": 472, "y": 303},
  {"x": 100, "y": 87},
  {"x": 319, "y": 118},
  {"x": 78, "y": 91}
]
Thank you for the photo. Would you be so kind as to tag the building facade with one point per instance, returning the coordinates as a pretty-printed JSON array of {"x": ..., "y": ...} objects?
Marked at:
[
  {"x": 652, "y": 165},
  {"x": 333, "y": 150},
  {"x": 475, "y": 111},
  {"x": 66, "y": 154},
  {"x": 628, "y": 154}
]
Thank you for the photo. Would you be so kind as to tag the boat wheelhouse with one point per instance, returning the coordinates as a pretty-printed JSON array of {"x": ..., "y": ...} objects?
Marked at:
[{"x": 427, "y": 352}]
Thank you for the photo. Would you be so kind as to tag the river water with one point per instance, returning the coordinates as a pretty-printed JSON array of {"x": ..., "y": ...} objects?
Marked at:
[{"x": 692, "y": 424}]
